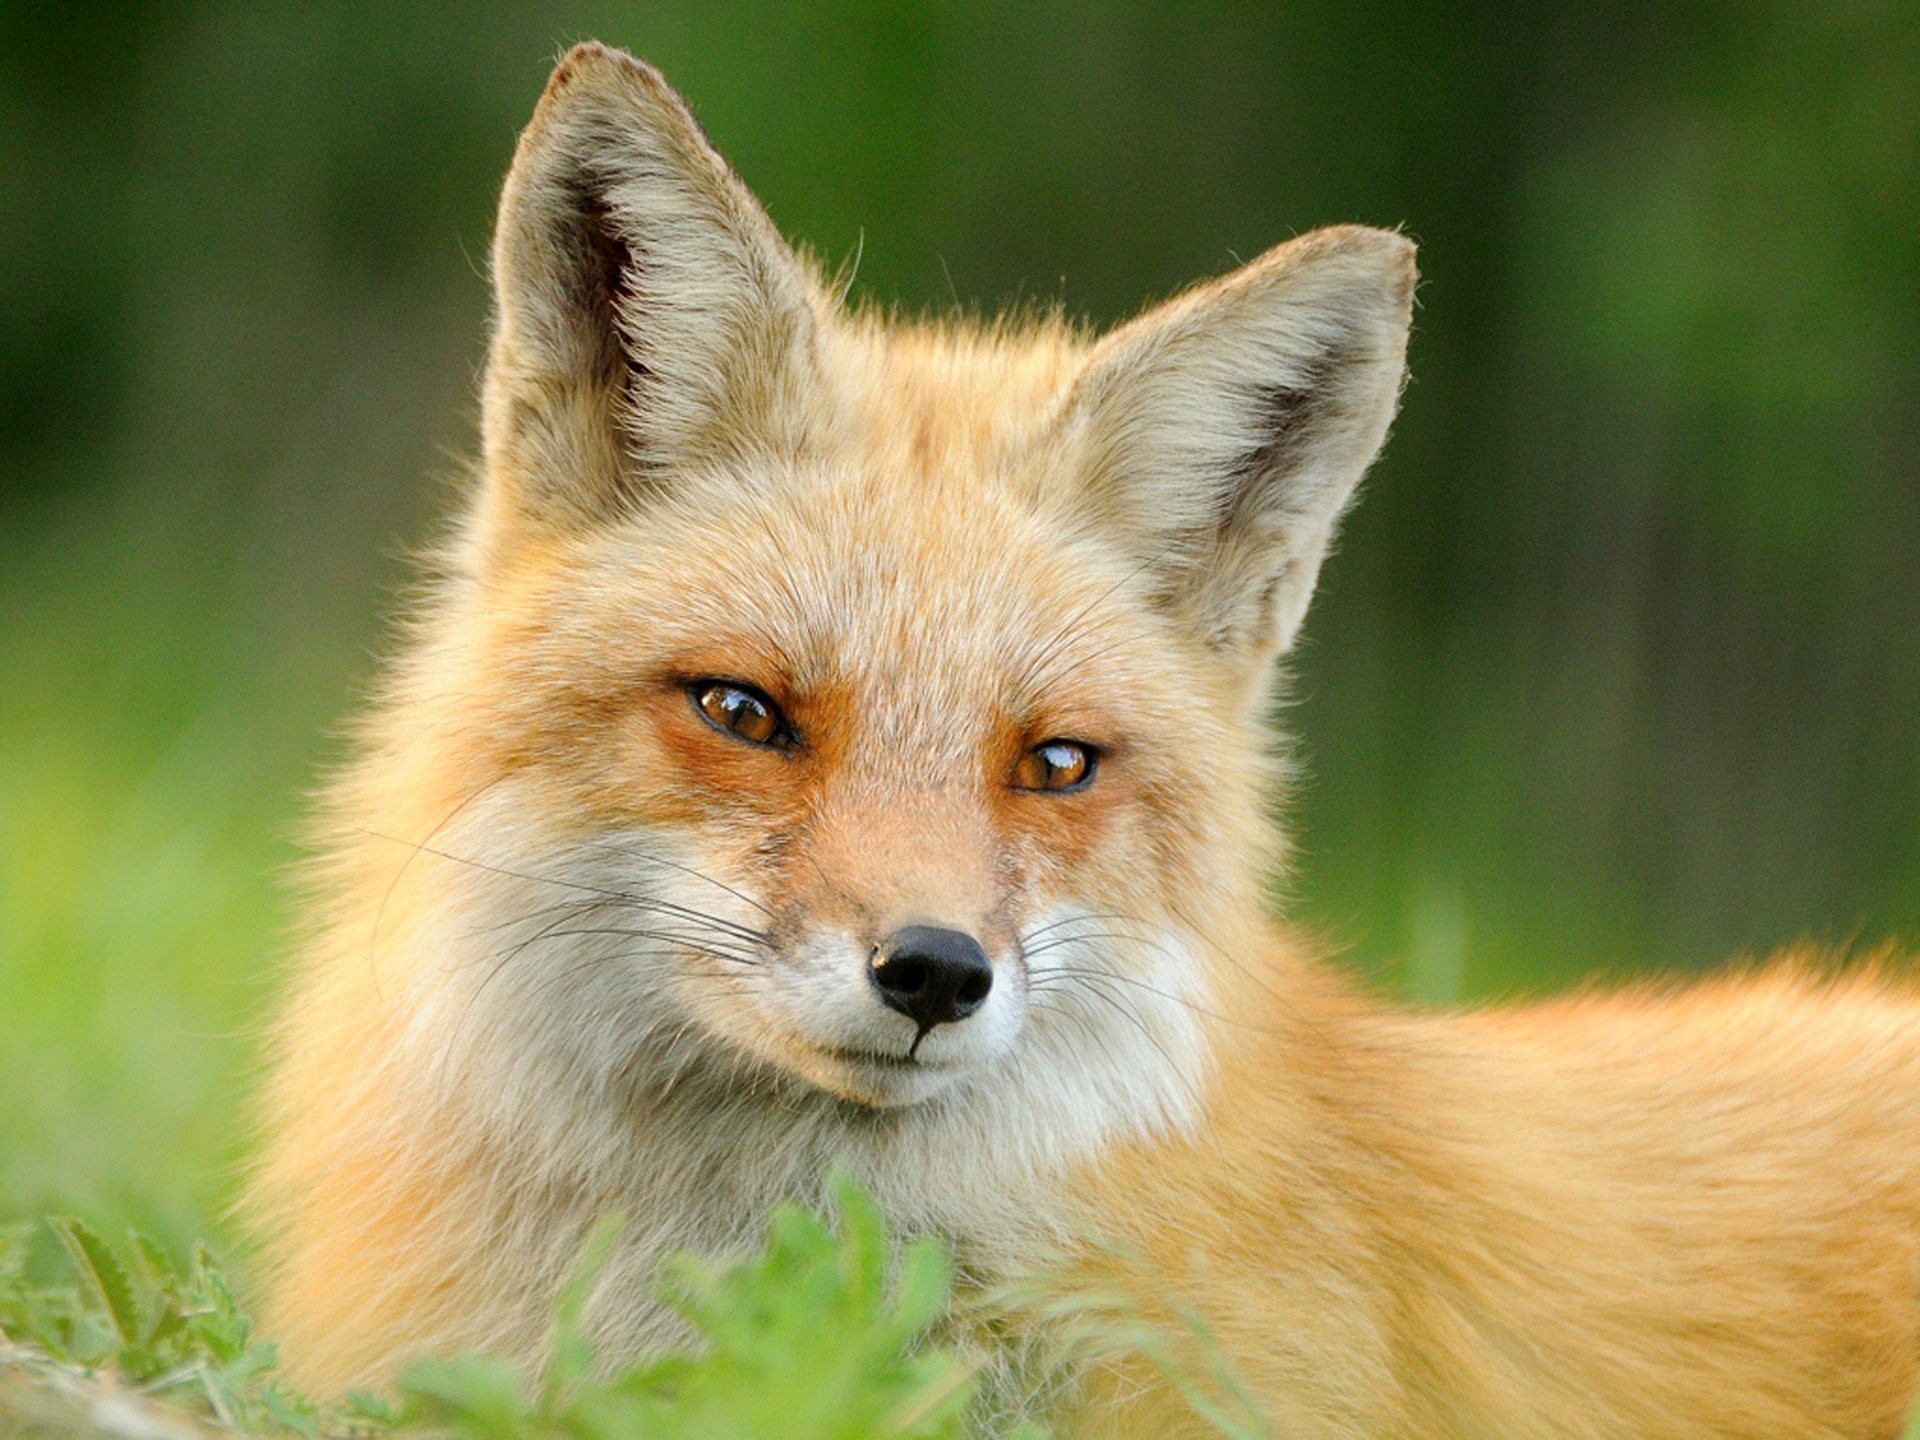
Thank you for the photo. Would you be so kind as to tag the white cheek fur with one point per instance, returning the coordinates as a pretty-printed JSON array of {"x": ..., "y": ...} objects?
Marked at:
[{"x": 1115, "y": 1028}]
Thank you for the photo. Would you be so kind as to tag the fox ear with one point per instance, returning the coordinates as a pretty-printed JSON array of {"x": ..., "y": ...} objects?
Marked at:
[
  {"x": 648, "y": 313},
  {"x": 1222, "y": 434}
]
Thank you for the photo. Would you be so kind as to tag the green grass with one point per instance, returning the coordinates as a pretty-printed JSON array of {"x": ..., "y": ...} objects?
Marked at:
[{"x": 823, "y": 1335}]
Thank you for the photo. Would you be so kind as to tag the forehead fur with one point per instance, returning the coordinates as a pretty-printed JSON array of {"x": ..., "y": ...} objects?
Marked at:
[
  {"x": 953, "y": 403},
  {"x": 922, "y": 528},
  {"x": 924, "y": 517}
]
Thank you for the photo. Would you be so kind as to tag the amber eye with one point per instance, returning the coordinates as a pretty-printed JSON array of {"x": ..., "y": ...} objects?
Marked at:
[
  {"x": 739, "y": 710},
  {"x": 1055, "y": 765}
]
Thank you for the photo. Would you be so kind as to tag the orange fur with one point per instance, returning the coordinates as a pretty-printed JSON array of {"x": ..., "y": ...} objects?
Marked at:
[{"x": 573, "y": 949}]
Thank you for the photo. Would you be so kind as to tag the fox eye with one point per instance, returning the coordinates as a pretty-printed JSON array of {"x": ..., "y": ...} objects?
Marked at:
[
  {"x": 1056, "y": 765},
  {"x": 739, "y": 710}
]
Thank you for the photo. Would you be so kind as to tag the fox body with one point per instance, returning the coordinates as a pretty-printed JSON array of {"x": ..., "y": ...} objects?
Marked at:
[{"x": 836, "y": 743}]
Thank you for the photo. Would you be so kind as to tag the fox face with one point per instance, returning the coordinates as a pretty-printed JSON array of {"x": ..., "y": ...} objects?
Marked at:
[
  {"x": 902, "y": 686},
  {"x": 879, "y": 796}
]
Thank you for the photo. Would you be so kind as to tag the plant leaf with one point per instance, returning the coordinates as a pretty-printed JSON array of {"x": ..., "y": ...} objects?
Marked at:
[{"x": 100, "y": 1269}]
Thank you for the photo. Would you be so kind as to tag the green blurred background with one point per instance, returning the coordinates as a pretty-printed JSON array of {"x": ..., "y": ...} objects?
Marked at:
[{"x": 1619, "y": 667}]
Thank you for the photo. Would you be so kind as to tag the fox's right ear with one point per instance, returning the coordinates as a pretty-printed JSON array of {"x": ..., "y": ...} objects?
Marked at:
[
  {"x": 649, "y": 316},
  {"x": 1221, "y": 435}
]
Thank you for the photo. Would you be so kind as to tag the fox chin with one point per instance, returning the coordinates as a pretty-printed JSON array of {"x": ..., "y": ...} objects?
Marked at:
[{"x": 827, "y": 741}]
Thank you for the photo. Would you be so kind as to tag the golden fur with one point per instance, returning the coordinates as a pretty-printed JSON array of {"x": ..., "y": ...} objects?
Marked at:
[{"x": 573, "y": 950}]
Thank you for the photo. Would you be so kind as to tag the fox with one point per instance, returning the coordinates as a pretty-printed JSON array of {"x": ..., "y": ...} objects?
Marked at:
[{"x": 830, "y": 741}]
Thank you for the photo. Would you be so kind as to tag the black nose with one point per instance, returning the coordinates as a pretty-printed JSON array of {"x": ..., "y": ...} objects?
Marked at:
[{"x": 932, "y": 976}]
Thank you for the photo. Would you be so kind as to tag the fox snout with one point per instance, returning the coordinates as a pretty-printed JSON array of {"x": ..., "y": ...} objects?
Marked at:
[{"x": 931, "y": 975}]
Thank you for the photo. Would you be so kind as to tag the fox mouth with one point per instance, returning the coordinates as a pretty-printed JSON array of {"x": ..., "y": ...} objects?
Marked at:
[
  {"x": 877, "y": 1079},
  {"x": 879, "y": 1059}
]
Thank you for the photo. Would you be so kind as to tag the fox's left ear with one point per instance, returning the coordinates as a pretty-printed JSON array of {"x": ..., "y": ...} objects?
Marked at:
[{"x": 1222, "y": 434}]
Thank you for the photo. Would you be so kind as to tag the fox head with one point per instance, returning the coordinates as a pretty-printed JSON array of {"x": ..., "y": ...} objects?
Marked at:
[{"x": 866, "y": 714}]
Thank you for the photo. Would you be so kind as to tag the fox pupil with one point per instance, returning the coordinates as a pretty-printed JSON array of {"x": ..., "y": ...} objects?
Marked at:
[
  {"x": 1056, "y": 765},
  {"x": 740, "y": 711}
]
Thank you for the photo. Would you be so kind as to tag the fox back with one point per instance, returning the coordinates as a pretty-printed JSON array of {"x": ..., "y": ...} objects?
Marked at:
[{"x": 838, "y": 743}]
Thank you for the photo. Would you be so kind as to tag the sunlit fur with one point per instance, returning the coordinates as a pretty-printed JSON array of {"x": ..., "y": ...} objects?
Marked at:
[{"x": 574, "y": 950}]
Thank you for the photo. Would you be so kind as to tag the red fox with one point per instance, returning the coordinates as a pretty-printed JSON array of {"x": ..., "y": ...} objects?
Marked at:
[{"x": 837, "y": 742}]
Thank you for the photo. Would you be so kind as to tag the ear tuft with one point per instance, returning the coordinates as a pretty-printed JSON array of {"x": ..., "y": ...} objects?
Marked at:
[
  {"x": 1222, "y": 435},
  {"x": 648, "y": 313}
]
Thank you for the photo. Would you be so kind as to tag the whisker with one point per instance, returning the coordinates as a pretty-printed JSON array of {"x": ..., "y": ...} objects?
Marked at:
[
  {"x": 1062, "y": 975},
  {"x": 1133, "y": 1017},
  {"x": 1068, "y": 1013},
  {"x": 652, "y": 859},
  {"x": 717, "y": 923},
  {"x": 553, "y": 930},
  {"x": 1162, "y": 948},
  {"x": 1078, "y": 919},
  {"x": 1080, "y": 662},
  {"x": 380, "y": 914},
  {"x": 669, "y": 937},
  {"x": 478, "y": 931},
  {"x": 623, "y": 896},
  {"x": 568, "y": 913}
]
